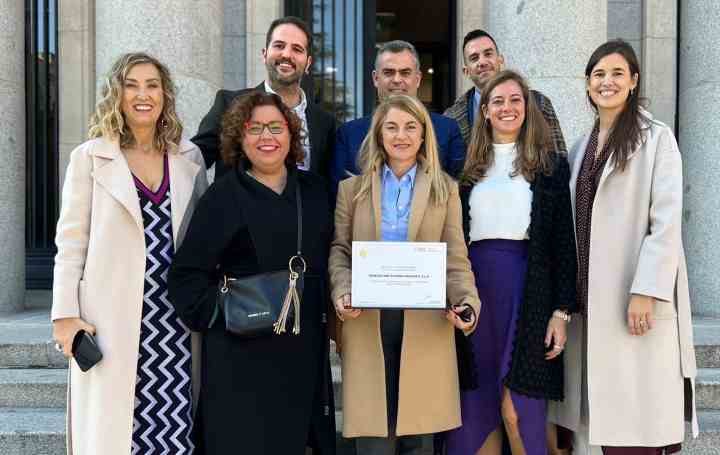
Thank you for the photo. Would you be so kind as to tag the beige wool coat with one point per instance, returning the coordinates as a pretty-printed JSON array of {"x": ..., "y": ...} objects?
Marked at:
[
  {"x": 99, "y": 276},
  {"x": 635, "y": 384},
  {"x": 429, "y": 397}
]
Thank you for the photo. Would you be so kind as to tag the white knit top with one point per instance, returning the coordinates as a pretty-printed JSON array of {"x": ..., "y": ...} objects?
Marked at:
[{"x": 500, "y": 204}]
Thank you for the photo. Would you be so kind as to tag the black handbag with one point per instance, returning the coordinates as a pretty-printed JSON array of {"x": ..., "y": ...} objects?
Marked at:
[{"x": 265, "y": 303}]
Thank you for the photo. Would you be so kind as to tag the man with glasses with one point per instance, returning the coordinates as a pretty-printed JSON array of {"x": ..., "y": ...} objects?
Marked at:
[
  {"x": 481, "y": 61},
  {"x": 287, "y": 57},
  {"x": 397, "y": 71}
]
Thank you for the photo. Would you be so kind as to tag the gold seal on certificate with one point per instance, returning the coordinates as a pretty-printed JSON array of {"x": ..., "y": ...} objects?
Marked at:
[{"x": 408, "y": 275}]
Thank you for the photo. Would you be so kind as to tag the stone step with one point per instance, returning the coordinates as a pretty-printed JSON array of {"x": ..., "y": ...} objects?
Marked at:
[
  {"x": 38, "y": 299},
  {"x": 41, "y": 431},
  {"x": 33, "y": 388},
  {"x": 706, "y": 333},
  {"x": 708, "y": 443},
  {"x": 707, "y": 386},
  {"x": 26, "y": 341},
  {"x": 32, "y": 431}
]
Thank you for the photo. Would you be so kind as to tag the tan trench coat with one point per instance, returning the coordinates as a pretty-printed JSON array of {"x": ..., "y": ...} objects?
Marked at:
[
  {"x": 635, "y": 384},
  {"x": 429, "y": 398},
  {"x": 99, "y": 276}
]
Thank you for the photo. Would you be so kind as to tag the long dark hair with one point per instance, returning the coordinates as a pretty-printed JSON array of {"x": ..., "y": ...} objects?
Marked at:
[
  {"x": 626, "y": 132},
  {"x": 533, "y": 143}
]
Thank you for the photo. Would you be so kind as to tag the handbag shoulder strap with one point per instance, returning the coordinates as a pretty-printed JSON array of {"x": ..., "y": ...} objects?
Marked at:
[{"x": 299, "y": 217}]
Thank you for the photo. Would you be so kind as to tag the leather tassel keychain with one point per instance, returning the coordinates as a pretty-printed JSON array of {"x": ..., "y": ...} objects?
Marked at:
[{"x": 291, "y": 298}]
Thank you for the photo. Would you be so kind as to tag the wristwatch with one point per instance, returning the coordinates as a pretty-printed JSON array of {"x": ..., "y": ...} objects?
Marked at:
[{"x": 560, "y": 314}]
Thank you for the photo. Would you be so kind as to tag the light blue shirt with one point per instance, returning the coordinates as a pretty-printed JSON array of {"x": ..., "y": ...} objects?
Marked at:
[{"x": 396, "y": 201}]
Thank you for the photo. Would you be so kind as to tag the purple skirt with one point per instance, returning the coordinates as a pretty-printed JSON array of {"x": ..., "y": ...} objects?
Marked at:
[{"x": 499, "y": 267}]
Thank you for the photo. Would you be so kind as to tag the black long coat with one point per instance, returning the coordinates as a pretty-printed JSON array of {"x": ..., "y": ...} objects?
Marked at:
[
  {"x": 549, "y": 284},
  {"x": 321, "y": 129},
  {"x": 270, "y": 395}
]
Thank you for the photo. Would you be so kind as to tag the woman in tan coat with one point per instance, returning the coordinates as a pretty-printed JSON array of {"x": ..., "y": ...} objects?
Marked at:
[
  {"x": 406, "y": 356},
  {"x": 124, "y": 199},
  {"x": 629, "y": 355}
]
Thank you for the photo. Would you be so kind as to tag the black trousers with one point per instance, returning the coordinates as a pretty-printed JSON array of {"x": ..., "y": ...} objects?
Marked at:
[{"x": 391, "y": 331}]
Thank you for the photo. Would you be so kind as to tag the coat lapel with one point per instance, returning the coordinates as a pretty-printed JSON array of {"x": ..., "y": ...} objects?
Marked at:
[
  {"x": 376, "y": 204},
  {"x": 576, "y": 159},
  {"x": 610, "y": 165},
  {"x": 315, "y": 139},
  {"x": 117, "y": 180},
  {"x": 421, "y": 196},
  {"x": 182, "y": 179}
]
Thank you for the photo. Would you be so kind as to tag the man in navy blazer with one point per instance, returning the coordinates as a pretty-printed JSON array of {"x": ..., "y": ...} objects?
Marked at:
[{"x": 397, "y": 71}]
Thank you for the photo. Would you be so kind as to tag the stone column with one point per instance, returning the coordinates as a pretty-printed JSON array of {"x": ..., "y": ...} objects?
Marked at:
[
  {"x": 258, "y": 16},
  {"x": 76, "y": 75},
  {"x": 659, "y": 58},
  {"x": 550, "y": 42},
  {"x": 471, "y": 15},
  {"x": 186, "y": 35},
  {"x": 234, "y": 44},
  {"x": 699, "y": 128},
  {"x": 12, "y": 151}
]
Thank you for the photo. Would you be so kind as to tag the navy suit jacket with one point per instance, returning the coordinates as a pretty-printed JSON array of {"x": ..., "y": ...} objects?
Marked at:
[{"x": 350, "y": 136}]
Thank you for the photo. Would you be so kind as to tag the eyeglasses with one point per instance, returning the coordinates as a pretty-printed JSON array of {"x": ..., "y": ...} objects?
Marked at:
[{"x": 257, "y": 128}]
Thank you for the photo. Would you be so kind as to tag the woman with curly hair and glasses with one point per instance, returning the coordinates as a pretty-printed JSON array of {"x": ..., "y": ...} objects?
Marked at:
[
  {"x": 125, "y": 195},
  {"x": 269, "y": 394}
]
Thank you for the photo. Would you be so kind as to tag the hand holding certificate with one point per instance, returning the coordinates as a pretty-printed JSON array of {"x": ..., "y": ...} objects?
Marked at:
[{"x": 408, "y": 275}]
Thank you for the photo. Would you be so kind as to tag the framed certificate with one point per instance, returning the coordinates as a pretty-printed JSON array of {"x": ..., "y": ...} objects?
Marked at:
[{"x": 408, "y": 275}]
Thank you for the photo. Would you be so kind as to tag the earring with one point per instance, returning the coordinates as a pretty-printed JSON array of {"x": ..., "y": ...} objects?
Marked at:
[{"x": 632, "y": 92}]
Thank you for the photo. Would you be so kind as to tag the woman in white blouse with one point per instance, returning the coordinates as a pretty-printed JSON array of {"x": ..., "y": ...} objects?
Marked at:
[{"x": 518, "y": 222}]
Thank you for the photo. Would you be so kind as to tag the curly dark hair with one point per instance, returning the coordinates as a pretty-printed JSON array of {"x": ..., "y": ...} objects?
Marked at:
[{"x": 240, "y": 112}]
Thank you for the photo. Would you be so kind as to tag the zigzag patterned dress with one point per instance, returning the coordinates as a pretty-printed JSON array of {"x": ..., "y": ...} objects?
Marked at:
[{"x": 163, "y": 395}]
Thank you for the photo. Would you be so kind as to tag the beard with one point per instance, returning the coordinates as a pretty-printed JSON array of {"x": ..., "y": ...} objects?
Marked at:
[{"x": 283, "y": 79}]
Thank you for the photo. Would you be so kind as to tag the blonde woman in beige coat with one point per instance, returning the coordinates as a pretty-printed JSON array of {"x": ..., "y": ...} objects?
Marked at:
[
  {"x": 405, "y": 355},
  {"x": 629, "y": 354},
  {"x": 124, "y": 199}
]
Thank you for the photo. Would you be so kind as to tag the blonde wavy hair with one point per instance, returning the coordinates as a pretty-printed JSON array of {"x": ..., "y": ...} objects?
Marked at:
[
  {"x": 108, "y": 120},
  {"x": 373, "y": 156},
  {"x": 534, "y": 143}
]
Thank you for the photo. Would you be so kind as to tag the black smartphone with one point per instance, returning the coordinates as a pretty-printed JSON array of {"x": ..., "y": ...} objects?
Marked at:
[
  {"x": 85, "y": 350},
  {"x": 466, "y": 314}
]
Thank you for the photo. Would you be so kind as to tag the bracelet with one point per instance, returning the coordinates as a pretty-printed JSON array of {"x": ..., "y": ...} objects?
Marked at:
[{"x": 560, "y": 314}]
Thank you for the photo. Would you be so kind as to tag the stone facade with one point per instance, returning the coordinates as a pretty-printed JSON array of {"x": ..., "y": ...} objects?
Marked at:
[
  {"x": 209, "y": 44},
  {"x": 699, "y": 138},
  {"x": 554, "y": 55}
]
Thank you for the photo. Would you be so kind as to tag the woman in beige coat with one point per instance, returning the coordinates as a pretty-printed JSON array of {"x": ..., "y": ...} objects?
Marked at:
[
  {"x": 629, "y": 355},
  {"x": 124, "y": 199},
  {"x": 407, "y": 356}
]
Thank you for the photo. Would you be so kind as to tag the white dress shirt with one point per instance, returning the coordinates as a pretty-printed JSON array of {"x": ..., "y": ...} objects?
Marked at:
[{"x": 299, "y": 110}]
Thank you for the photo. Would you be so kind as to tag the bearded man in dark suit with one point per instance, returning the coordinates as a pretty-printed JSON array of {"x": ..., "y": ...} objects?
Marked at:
[{"x": 287, "y": 57}]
